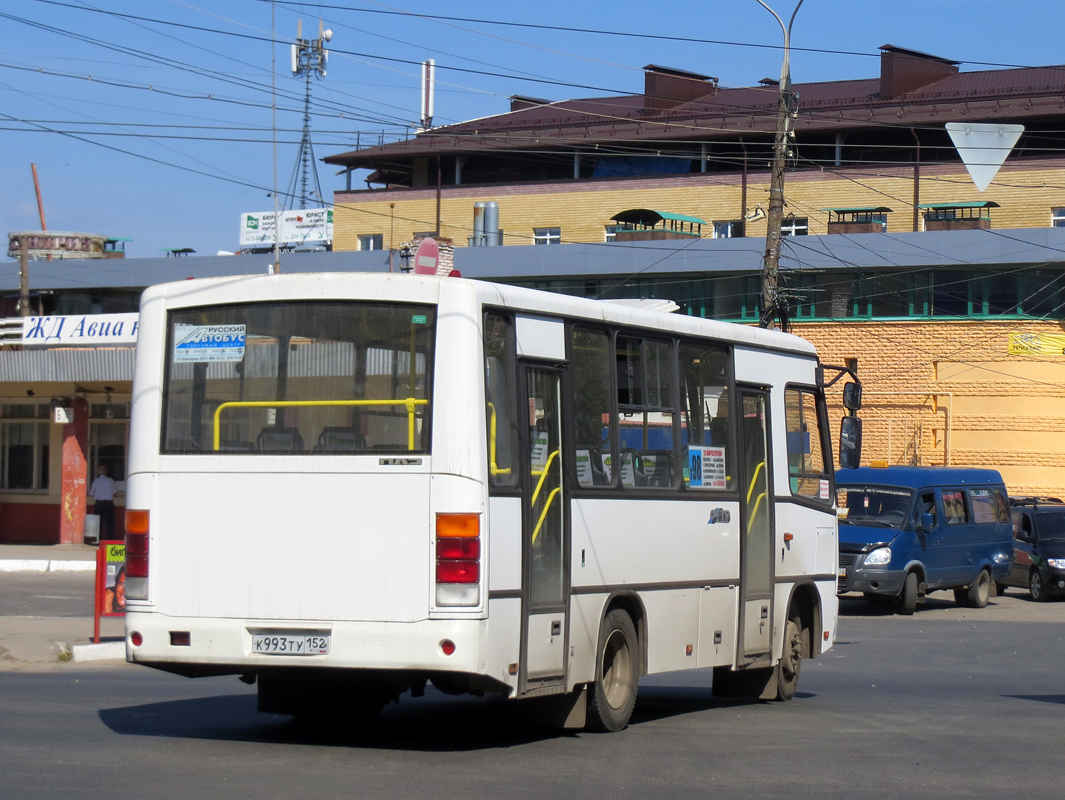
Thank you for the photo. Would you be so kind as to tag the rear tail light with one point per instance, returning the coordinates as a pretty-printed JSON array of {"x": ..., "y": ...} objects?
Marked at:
[
  {"x": 458, "y": 559},
  {"x": 137, "y": 533}
]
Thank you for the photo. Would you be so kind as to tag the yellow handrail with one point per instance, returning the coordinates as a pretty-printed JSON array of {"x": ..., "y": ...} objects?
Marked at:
[
  {"x": 410, "y": 403},
  {"x": 754, "y": 479},
  {"x": 543, "y": 476},
  {"x": 493, "y": 467},
  {"x": 757, "y": 502},
  {"x": 543, "y": 514}
]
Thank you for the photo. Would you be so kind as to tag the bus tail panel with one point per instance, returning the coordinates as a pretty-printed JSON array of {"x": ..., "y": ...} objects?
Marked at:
[{"x": 351, "y": 547}]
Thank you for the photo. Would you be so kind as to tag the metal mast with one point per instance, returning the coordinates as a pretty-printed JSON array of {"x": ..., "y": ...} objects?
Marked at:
[{"x": 309, "y": 57}]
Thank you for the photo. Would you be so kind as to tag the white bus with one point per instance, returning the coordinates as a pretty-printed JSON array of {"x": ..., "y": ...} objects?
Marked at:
[{"x": 344, "y": 486}]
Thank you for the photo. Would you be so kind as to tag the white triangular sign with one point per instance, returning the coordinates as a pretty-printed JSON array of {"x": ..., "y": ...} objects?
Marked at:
[{"x": 983, "y": 147}]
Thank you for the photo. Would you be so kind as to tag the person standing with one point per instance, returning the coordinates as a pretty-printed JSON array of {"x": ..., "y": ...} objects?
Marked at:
[{"x": 103, "y": 490}]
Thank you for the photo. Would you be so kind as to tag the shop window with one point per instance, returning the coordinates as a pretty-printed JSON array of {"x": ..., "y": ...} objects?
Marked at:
[{"x": 24, "y": 447}]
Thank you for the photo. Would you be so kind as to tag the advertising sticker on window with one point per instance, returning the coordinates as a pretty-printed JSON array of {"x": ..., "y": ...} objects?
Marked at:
[
  {"x": 208, "y": 343},
  {"x": 706, "y": 468}
]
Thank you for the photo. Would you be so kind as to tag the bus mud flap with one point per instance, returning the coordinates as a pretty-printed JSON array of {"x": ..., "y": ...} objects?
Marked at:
[{"x": 569, "y": 711}]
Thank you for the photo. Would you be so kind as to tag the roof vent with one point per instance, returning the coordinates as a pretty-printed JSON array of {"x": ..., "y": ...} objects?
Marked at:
[
  {"x": 665, "y": 87},
  {"x": 903, "y": 71}
]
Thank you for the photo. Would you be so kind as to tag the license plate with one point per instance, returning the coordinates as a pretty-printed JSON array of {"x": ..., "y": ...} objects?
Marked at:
[{"x": 290, "y": 644}]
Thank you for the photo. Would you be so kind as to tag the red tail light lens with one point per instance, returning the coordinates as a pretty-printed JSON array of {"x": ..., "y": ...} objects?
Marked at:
[
  {"x": 458, "y": 570},
  {"x": 458, "y": 548},
  {"x": 136, "y": 544}
]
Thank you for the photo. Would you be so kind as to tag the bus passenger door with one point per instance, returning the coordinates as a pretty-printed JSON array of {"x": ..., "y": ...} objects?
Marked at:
[
  {"x": 756, "y": 547},
  {"x": 545, "y": 532}
]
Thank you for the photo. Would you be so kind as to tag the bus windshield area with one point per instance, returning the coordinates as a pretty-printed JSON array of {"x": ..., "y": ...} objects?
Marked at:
[
  {"x": 298, "y": 377},
  {"x": 874, "y": 506}
]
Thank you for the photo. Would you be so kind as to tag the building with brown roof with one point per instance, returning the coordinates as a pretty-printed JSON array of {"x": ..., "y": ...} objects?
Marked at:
[{"x": 940, "y": 344}]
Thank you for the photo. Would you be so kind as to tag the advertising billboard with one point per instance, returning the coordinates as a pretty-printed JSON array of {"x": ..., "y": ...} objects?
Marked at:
[{"x": 303, "y": 227}]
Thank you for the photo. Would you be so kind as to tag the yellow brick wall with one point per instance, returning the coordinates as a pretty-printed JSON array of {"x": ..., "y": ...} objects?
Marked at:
[
  {"x": 1003, "y": 411},
  {"x": 582, "y": 209}
]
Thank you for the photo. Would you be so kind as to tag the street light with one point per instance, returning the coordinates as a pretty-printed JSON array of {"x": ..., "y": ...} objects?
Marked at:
[{"x": 774, "y": 310}]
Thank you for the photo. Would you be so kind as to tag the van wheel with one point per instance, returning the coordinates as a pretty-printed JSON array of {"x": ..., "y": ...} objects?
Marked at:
[
  {"x": 617, "y": 674},
  {"x": 980, "y": 592},
  {"x": 787, "y": 672},
  {"x": 1036, "y": 588},
  {"x": 908, "y": 599}
]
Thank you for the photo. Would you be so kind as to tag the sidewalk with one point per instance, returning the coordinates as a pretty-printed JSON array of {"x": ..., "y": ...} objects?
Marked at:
[
  {"x": 47, "y": 557},
  {"x": 31, "y": 643}
]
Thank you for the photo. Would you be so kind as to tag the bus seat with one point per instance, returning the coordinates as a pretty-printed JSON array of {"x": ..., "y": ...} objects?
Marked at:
[
  {"x": 236, "y": 445},
  {"x": 337, "y": 438},
  {"x": 277, "y": 438}
]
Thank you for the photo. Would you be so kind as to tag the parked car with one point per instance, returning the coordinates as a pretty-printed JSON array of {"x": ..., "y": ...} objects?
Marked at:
[
  {"x": 1038, "y": 561},
  {"x": 906, "y": 531}
]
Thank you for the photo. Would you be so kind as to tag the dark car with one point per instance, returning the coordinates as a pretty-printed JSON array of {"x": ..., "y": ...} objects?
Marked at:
[{"x": 1038, "y": 561}]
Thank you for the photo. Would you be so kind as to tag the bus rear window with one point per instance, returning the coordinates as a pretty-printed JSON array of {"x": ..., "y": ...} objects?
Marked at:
[{"x": 301, "y": 377}]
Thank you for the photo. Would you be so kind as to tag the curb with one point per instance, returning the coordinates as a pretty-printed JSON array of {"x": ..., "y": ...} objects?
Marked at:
[
  {"x": 40, "y": 565},
  {"x": 105, "y": 651}
]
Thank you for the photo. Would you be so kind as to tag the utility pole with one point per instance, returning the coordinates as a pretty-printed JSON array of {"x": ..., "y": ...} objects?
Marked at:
[
  {"x": 774, "y": 309},
  {"x": 23, "y": 278}
]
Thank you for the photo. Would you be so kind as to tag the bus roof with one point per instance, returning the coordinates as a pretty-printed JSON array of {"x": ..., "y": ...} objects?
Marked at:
[{"x": 426, "y": 288}]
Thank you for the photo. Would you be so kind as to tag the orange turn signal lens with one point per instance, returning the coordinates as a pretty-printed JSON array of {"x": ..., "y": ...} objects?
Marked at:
[
  {"x": 136, "y": 521},
  {"x": 465, "y": 525}
]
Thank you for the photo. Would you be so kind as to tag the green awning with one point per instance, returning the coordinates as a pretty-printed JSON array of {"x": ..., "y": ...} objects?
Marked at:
[
  {"x": 649, "y": 217},
  {"x": 117, "y": 239},
  {"x": 974, "y": 204},
  {"x": 860, "y": 210}
]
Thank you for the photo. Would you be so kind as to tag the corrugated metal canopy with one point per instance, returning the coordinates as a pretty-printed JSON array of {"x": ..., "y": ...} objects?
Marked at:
[
  {"x": 650, "y": 217},
  {"x": 67, "y": 364},
  {"x": 859, "y": 210},
  {"x": 968, "y": 204}
]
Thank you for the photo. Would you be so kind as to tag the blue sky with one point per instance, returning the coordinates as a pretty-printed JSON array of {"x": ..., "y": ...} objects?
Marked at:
[{"x": 164, "y": 112}]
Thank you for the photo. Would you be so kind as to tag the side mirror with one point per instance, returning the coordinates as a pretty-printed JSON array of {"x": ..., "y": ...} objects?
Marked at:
[
  {"x": 852, "y": 396},
  {"x": 850, "y": 442},
  {"x": 926, "y": 523}
]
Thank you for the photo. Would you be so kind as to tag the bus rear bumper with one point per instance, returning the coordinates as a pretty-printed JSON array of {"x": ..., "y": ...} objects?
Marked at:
[{"x": 197, "y": 646}]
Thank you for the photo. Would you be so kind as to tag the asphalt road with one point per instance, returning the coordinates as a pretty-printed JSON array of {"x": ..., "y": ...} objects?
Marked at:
[
  {"x": 46, "y": 594},
  {"x": 947, "y": 703}
]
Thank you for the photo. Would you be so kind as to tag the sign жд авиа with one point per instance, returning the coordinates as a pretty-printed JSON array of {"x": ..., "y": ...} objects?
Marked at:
[{"x": 81, "y": 330}]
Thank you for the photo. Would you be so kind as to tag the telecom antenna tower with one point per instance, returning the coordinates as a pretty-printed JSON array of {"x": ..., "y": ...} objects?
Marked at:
[{"x": 309, "y": 57}]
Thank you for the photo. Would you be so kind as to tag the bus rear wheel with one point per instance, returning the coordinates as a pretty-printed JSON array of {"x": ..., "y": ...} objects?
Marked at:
[{"x": 617, "y": 674}]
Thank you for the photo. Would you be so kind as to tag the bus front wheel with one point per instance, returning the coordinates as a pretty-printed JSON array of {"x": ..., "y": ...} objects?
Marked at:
[{"x": 617, "y": 674}]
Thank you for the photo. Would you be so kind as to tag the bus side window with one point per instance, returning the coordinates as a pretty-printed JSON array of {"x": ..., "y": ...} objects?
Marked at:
[
  {"x": 594, "y": 418},
  {"x": 705, "y": 422},
  {"x": 500, "y": 394},
  {"x": 646, "y": 409},
  {"x": 807, "y": 460}
]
